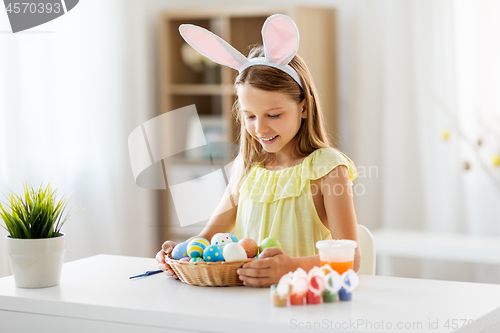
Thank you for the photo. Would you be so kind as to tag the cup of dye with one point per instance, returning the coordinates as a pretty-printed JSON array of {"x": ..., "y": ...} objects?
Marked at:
[{"x": 337, "y": 253}]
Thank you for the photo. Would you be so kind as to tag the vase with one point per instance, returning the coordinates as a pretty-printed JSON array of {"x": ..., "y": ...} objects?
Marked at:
[{"x": 36, "y": 263}]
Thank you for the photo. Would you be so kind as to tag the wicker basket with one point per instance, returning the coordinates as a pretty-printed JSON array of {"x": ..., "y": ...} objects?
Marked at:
[{"x": 220, "y": 273}]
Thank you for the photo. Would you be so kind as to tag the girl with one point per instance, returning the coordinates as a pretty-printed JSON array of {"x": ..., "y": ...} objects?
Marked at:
[{"x": 287, "y": 181}]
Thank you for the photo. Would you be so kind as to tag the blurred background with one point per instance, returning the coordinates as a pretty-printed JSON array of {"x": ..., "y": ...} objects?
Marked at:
[{"x": 411, "y": 92}]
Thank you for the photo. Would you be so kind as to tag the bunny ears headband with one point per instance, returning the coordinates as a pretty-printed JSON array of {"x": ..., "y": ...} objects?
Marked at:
[{"x": 279, "y": 34}]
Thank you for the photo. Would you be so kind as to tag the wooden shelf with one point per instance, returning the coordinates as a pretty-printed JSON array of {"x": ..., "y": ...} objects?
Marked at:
[{"x": 199, "y": 89}]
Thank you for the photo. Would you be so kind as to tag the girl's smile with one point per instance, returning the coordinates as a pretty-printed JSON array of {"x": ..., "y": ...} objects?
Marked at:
[
  {"x": 271, "y": 118},
  {"x": 269, "y": 140}
]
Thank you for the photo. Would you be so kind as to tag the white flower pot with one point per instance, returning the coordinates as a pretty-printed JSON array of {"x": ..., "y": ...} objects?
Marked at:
[{"x": 36, "y": 263}]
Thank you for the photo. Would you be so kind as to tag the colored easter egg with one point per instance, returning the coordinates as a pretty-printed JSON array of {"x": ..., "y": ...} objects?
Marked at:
[
  {"x": 201, "y": 240},
  {"x": 213, "y": 253},
  {"x": 195, "y": 260},
  {"x": 185, "y": 259},
  {"x": 234, "y": 252},
  {"x": 180, "y": 250},
  {"x": 221, "y": 239},
  {"x": 196, "y": 246},
  {"x": 269, "y": 242},
  {"x": 233, "y": 237},
  {"x": 250, "y": 247}
]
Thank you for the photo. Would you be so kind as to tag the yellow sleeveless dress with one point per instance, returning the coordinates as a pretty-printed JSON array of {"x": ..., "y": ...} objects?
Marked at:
[{"x": 279, "y": 203}]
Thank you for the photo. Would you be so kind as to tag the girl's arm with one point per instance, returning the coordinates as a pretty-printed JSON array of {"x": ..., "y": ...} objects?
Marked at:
[{"x": 338, "y": 199}]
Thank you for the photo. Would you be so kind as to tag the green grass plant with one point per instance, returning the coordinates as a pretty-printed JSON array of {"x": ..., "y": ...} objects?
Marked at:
[{"x": 35, "y": 214}]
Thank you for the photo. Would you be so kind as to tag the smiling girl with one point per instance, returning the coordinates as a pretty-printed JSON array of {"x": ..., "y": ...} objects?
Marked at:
[{"x": 288, "y": 182}]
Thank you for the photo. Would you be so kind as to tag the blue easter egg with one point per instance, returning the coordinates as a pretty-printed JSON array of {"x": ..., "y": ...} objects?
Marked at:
[
  {"x": 195, "y": 248},
  {"x": 233, "y": 237},
  {"x": 180, "y": 251},
  {"x": 213, "y": 253}
]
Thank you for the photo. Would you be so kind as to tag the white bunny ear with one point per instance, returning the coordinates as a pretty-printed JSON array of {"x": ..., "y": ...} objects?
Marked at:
[
  {"x": 212, "y": 46},
  {"x": 281, "y": 39}
]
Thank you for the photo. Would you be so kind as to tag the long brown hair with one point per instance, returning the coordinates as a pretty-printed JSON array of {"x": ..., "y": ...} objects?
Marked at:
[{"x": 311, "y": 134}]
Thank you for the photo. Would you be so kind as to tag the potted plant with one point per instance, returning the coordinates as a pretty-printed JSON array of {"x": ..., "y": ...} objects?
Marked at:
[{"x": 35, "y": 244}]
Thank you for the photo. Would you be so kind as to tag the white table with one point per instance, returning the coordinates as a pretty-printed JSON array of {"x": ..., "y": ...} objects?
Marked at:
[
  {"x": 95, "y": 295},
  {"x": 438, "y": 246}
]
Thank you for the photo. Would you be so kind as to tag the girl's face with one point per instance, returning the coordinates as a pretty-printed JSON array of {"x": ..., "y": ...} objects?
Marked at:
[{"x": 271, "y": 118}]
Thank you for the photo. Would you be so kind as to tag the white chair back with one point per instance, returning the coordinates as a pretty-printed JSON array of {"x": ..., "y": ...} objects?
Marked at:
[{"x": 368, "y": 253}]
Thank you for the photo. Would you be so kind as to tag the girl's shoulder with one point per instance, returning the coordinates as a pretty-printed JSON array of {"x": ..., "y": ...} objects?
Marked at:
[{"x": 323, "y": 160}]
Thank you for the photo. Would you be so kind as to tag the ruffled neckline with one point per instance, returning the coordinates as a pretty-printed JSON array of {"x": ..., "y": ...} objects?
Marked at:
[
  {"x": 261, "y": 166},
  {"x": 265, "y": 185}
]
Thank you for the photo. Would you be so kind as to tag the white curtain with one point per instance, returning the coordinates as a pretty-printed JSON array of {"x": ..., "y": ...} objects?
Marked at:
[
  {"x": 463, "y": 76},
  {"x": 71, "y": 91},
  {"x": 410, "y": 61}
]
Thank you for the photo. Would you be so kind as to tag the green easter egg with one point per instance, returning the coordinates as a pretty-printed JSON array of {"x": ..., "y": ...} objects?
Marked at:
[
  {"x": 269, "y": 242},
  {"x": 195, "y": 260}
]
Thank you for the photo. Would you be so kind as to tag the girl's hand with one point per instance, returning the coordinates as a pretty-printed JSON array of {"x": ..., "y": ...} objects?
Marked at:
[
  {"x": 166, "y": 248},
  {"x": 272, "y": 264}
]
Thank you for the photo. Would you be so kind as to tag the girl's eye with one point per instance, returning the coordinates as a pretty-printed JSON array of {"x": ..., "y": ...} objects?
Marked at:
[{"x": 251, "y": 117}]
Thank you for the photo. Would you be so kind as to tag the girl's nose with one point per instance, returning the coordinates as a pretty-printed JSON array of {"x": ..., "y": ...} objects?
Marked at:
[{"x": 260, "y": 127}]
